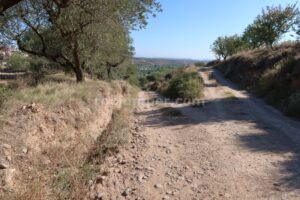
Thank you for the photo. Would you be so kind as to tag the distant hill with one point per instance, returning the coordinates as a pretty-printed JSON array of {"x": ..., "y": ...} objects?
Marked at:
[{"x": 151, "y": 63}]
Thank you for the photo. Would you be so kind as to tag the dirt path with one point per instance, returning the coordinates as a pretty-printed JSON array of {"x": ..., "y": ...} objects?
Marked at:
[{"x": 235, "y": 147}]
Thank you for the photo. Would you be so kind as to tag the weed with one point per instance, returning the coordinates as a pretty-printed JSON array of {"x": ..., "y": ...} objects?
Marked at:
[{"x": 186, "y": 85}]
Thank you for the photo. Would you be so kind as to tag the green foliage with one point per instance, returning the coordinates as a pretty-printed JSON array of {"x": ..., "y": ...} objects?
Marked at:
[
  {"x": 156, "y": 75},
  {"x": 268, "y": 80},
  {"x": 184, "y": 83},
  {"x": 187, "y": 85},
  {"x": 227, "y": 46},
  {"x": 18, "y": 62},
  {"x": 200, "y": 64},
  {"x": 292, "y": 107},
  {"x": 126, "y": 72},
  {"x": 251, "y": 36},
  {"x": 161, "y": 73},
  {"x": 276, "y": 82},
  {"x": 273, "y": 86},
  {"x": 267, "y": 29},
  {"x": 271, "y": 25},
  {"x": 81, "y": 35},
  {"x": 5, "y": 93}
]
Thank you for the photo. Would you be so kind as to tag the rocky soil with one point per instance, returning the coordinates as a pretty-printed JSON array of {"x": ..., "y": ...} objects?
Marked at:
[{"x": 234, "y": 147}]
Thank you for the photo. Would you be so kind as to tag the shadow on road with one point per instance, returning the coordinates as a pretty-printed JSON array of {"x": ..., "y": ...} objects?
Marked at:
[
  {"x": 272, "y": 132},
  {"x": 270, "y": 138}
]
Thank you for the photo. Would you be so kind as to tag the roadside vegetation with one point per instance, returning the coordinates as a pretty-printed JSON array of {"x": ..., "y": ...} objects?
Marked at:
[
  {"x": 199, "y": 64},
  {"x": 180, "y": 83},
  {"x": 260, "y": 62},
  {"x": 266, "y": 31},
  {"x": 272, "y": 74}
]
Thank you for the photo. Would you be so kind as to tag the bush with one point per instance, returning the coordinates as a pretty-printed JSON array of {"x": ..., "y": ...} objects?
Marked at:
[
  {"x": 18, "y": 62},
  {"x": 273, "y": 84},
  {"x": 293, "y": 105},
  {"x": 126, "y": 72},
  {"x": 187, "y": 85},
  {"x": 200, "y": 64},
  {"x": 152, "y": 80},
  {"x": 4, "y": 94}
]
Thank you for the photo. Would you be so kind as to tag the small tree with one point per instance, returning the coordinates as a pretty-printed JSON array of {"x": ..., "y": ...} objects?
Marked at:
[
  {"x": 219, "y": 49},
  {"x": 271, "y": 25},
  {"x": 251, "y": 36},
  {"x": 227, "y": 46}
]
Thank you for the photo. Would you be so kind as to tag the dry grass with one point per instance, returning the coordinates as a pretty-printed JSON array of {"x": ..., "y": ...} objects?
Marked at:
[
  {"x": 114, "y": 137},
  {"x": 51, "y": 95},
  {"x": 72, "y": 182},
  {"x": 192, "y": 69},
  {"x": 272, "y": 73},
  {"x": 55, "y": 94}
]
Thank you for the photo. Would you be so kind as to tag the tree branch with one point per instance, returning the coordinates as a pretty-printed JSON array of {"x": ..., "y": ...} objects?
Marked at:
[
  {"x": 37, "y": 33},
  {"x": 116, "y": 64},
  {"x": 6, "y": 4}
]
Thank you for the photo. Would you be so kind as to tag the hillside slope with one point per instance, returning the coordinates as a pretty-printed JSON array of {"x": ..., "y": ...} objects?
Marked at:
[
  {"x": 273, "y": 74},
  {"x": 47, "y": 134}
]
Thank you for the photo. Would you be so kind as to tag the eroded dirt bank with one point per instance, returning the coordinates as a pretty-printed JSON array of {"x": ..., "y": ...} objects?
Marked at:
[{"x": 42, "y": 148}]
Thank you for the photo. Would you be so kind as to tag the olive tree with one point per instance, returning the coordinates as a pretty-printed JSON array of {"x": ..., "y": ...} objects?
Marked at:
[
  {"x": 74, "y": 32},
  {"x": 271, "y": 25},
  {"x": 226, "y": 46}
]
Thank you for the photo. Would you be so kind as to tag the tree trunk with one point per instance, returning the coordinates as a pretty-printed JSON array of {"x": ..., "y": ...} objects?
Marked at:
[
  {"x": 79, "y": 74},
  {"x": 77, "y": 64},
  {"x": 109, "y": 72}
]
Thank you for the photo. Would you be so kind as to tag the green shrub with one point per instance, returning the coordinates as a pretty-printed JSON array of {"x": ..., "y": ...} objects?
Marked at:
[
  {"x": 293, "y": 105},
  {"x": 187, "y": 85},
  {"x": 274, "y": 85},
  {"x": 267, "y": 81},
  {"x": 18, "y": 62},
  {"x": 127, "y": 72},
  {"x": 4, "y": 94},
  {"x": 200, "y": 64}
]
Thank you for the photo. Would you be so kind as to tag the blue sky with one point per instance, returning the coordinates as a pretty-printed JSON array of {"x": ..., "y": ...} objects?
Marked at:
[{"x": 187, "y": 28}]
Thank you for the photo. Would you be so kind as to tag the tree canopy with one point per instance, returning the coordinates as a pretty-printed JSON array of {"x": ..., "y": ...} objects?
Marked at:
[
  {"x": 266, "y": 30},
  {"x": 227, "y": 46},
  {"x": 76, "y": 34},
  {"x": 271, "y": 25}
]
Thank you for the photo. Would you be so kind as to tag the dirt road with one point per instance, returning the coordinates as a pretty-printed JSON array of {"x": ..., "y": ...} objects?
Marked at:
[{"x": 235, "y": 147}]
